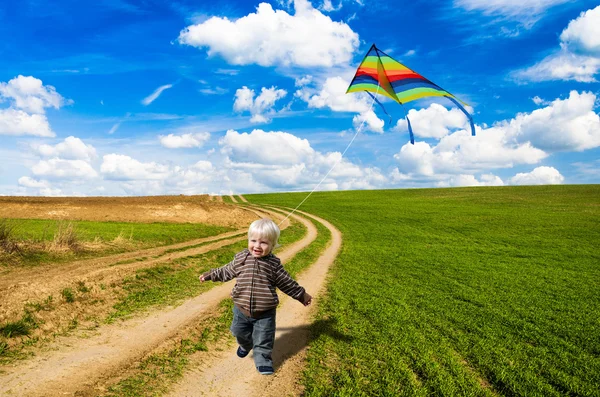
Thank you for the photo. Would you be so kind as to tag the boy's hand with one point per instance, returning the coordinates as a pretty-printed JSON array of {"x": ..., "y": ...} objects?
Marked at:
[
  {"x": 201, "y": 278},
  {"x": 306, "y": 299}
]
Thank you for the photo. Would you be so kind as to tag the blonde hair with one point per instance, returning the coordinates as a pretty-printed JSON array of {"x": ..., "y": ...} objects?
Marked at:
[{"x": 265, "y": 228}]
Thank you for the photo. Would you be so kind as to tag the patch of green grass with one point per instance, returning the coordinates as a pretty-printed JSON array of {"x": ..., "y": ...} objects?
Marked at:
[
  {"x": 81, "y": 287},
  {"x": 68, "y": 295},
  {"x": 3, "y": 348},
  {"x": 470, "y": 291},
  {"x": 140, "y": 235},
  {"x": 15, "y": 328},
  {"x": 8, "y": 243},
  {"x": 157, "y": 233}
]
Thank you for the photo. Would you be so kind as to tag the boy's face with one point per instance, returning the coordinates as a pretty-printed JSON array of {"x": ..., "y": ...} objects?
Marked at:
[{"x": 259, "y": 246}]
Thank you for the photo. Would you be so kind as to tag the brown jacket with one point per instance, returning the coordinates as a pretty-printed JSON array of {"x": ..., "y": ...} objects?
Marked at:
[{"x": 257, "y": 278}]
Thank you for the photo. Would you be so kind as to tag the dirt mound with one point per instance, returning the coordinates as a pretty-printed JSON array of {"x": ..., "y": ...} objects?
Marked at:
[{"x": 147, "y": 209}]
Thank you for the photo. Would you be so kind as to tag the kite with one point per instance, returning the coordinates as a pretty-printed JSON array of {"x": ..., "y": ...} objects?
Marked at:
[{"x": 382, "y": 74}]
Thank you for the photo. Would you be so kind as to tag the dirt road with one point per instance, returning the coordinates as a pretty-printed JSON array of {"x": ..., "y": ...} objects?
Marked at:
[
  {"x": 228, "y": 375},
  {"x": 83, "y": 366}
]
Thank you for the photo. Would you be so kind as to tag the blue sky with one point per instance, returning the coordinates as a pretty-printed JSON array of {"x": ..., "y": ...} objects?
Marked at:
[{"x": 152, "y": 97}]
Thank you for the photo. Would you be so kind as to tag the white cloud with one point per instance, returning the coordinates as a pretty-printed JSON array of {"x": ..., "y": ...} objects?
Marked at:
[
  {"x": 433, "y": 122},
  {"x": 64, "y": 169},
  {"x": 202, "y": 166},
  {"x": 332, "y": 95},
  {"x": 328, "y": 6},
  {"x": 369, "y": 119},
  {"x": 152, "y": 97},
  {"x": 213, "y": 91},
  {"x": 562, "y": 65},
  {"x": 304, "y": 80},
  {"x": 49, "y": 192},
  {"x": 539, "y": 101},
  {"x": 563, "y": 125},
  {"x": 229, "y": 72},
  {"x": 260, "y": 107},
  {"x": 582, "y": 35},
  {"x": 41, "y": 187},
  {"x": 33, "y": 183},
  {"x": 539, "y": 176},
  {"x": 29, "y": 94},
  {"x": 114, "y": 128},
  {"x": 526, "y": 12},
  {"x": 121, "y": 167},
  {"x": 17, "y": 122},
  {"x": 71, "y": 148},
  {"x": 28, "y": 98},
  {"x": 471, "y": 180},
  {"x": 281, "y": 160},
  {"x": 283, "y": 148},
  {"x": 578, "y": 57},
  {"x": 189, "y": 140},
  {"x": 460, "y": 153},
  {"x": 566, "y": 124},
  {"x": 273, "y": 37}
]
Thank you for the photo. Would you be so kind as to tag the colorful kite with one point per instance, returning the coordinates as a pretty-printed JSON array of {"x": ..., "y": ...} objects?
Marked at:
[{"x": 381, "y": 74}]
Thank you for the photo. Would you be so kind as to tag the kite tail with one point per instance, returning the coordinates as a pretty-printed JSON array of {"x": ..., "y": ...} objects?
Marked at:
[
  {"x": 410, "y": 131},
  {"x": 465, "y": 112},
  {"x": 380, "y": 104},
  {"x": 412, "y": 137}
]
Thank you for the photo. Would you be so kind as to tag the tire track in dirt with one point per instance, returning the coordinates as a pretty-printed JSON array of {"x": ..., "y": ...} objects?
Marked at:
[
  {"x": 228, "y": 375},
  {"x": 233, "y": 199},
  {"x": 79, "y": 365},
  {"x": 242, "y": 198}
]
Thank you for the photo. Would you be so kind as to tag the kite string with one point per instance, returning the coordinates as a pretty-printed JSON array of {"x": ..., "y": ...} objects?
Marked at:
[{"x": 334, "y": 165}]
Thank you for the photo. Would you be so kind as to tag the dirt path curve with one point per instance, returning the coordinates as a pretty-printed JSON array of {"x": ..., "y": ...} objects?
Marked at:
[
  {"x": 233, "y": 199},
  {"x": 78, "y": 366},
  {"x": 242, "y": 198},
  {"x": 228, "y": 375}
]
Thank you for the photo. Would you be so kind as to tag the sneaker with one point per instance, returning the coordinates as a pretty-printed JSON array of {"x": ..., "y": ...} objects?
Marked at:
[
  {"x": 265, "y": 370},
  {"x": 241, "y": 353}
]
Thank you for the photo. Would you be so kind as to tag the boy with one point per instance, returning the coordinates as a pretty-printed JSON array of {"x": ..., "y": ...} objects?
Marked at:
[{"x": 258, "y": 273}]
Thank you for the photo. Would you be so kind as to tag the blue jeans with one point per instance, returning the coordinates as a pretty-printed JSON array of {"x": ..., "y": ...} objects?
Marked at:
[{"x": 255, "y": 333}]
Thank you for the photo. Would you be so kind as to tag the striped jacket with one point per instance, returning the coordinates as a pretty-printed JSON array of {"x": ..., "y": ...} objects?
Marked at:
[{"x": 257, "y": 278}]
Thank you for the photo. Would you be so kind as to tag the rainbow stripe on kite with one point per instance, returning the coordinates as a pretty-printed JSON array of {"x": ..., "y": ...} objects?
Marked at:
[{"x": 381, "y": 74}]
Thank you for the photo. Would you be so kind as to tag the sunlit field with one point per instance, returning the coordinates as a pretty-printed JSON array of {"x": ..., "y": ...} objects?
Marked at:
[{"x": 468, "y": 291}]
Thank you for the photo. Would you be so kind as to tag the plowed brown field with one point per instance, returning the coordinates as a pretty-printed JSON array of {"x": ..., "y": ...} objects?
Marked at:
[{"x": 194, "y": 209}]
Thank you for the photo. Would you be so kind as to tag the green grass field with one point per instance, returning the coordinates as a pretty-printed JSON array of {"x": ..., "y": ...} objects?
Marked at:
[
  {"x": 150, "y": 233},
  {"x": 30, "y": 233},
  {"x": 459, "y": 292}
]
